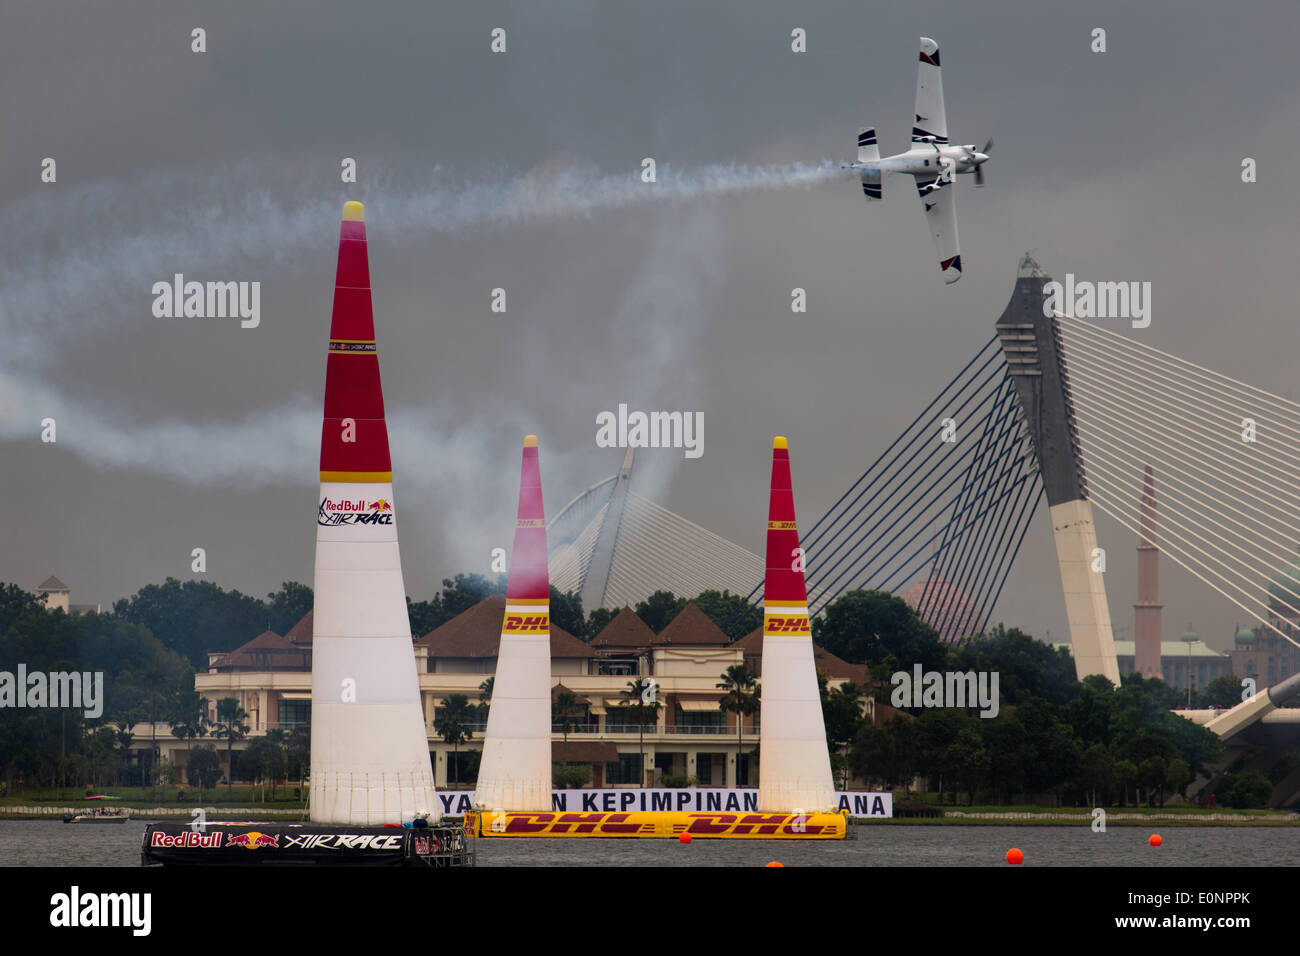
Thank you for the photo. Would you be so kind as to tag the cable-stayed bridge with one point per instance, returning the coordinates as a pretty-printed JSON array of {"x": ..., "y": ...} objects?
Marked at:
[{"x": 1051, "y": 407}]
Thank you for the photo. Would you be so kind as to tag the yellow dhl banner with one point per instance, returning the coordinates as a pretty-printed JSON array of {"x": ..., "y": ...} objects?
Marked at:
[{"x": 660, "y": 824}]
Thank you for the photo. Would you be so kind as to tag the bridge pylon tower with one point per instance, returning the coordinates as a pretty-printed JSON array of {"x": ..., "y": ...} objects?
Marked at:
[{"x": 1030, "y": 343}]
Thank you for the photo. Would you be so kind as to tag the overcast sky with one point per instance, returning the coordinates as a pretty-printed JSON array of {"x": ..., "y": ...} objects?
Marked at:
[{"x": 518, "y": 170}]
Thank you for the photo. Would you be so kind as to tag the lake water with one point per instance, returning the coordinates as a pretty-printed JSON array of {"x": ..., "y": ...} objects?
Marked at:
[{"x": 54, "y": 843}]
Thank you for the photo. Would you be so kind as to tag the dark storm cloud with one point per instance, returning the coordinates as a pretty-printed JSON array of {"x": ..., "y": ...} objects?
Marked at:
[{"x": 1120, "y": 165}]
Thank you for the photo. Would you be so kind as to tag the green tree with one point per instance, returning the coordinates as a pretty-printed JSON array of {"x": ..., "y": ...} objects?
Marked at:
[
  {"x": 203, "y": 768},
  {"x": 659, "y": 609},
  {"x": 1248, "y": 791},
  {"x": 563, "y": 711},
  {"x": 451, "y": 722},
  {"x": 1151, "y": 774},
  {"x": 194, "y": 618},
  {"x": 1011, "y": 753},
  {"x": 1177, "y": 776},
  {"x": 1026, "y": 666},
  {"x": 597, "y": 621},
  {"x": 1097, "y": 772},
  {"x": 263, "y": 760},
  {"x": 951, "y": 749},
  {"x": 640, "y": 699},
  {"x": 230, "y": 726},
  {"x": 841, "y": 716},
  {"x": 742, "y": 697},
  {"x": 566, "y": 612},
  {"x": 569, "y": 777},
  {"x": 1223, "y": 691},
  {"x": 1126, "y": 775},
  {"x": 875, "y": 627},
  {"x": 466, "y": 590},
  {"x": 297, "y": 754},
  {"x": 189, "y": 717},
  {"x": 731, "y": 612},
  {"x": 869, "y": 757},
  {"x": 288, "y": 606}
]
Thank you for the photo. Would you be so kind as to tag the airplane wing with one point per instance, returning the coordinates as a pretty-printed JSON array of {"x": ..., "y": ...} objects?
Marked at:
[
  {"x": 930, "y": 118},
  {"x": 939, "y": 200}
]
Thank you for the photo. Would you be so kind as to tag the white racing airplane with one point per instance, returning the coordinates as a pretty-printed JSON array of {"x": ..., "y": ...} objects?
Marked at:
[{"x": 931, "y": 160}]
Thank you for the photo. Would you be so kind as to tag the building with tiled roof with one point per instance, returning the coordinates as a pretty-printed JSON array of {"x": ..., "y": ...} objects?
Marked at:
[
  {"x": 693, "y": 737},
  {"x": 834, "y": 668},
  {"x": 468, "y": 643},
  {"x": 58, "y": 597},
  {"x": 625, "y": 630}
]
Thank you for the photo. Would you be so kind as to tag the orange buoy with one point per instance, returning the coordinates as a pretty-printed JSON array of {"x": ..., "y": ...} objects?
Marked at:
[
  {"x": 684, "y": 838},
  {"x": 774, "y": 863},
  {"x": 1014, "y": 856},
  {"x": 1155, "y": 840}
]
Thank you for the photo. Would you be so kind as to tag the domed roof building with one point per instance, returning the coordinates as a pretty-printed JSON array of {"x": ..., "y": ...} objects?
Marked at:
[
  {"x": 1263, "y": 652},
  {"x": 945, "y": 607}
]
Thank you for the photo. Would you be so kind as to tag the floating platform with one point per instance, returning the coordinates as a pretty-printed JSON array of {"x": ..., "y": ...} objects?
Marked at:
[
  {"x": 304, "y": 844},
  {"x": 659, "y": 825}
]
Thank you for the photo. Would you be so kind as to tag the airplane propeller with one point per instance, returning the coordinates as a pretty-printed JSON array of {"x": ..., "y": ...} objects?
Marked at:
[{"x": 979, "y": 170}]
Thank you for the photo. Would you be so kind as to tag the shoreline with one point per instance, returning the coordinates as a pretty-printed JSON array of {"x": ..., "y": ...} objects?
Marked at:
[{"x": 1058, "y": 818}]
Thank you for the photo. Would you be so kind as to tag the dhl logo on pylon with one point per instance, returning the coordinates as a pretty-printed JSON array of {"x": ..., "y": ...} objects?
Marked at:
[
  {"x": 781, "y": 526},
  {"x": 530, "y": 523},
  {"x": 793, "y": 624},
  {"x": 532, "y": 624}
]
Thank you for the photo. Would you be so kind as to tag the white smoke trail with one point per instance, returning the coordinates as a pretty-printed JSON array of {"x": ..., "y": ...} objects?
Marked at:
[
  {"x": 68, "y": 261},
  {"x": 76, "y": 262}
]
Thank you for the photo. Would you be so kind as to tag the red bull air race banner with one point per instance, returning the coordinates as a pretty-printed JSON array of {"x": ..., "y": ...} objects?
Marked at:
[
  {"x": 694, "y": 799},
  {"x": 253, "y": 844}
]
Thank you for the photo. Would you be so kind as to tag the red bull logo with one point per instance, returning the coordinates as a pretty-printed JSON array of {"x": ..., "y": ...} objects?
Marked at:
[
  {"x": 345, "y": 511},
  {"x": 527, "y": 624},
  {"x": 254, "y": 839},
  {"x": 786, "y": 624},
  {"x": 190, "y": 838}
]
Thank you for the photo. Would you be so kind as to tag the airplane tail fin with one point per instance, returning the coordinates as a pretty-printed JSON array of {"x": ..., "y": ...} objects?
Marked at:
[
  {"x": 868, "y": 151},
  {"x": 870, "y": 183}
]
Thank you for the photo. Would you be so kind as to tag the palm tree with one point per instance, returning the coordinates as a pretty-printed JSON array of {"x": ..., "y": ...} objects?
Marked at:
[
  {"x": 741, "y": 697},
  {"x": 485, "y": 690},
  {"x": 189, "y": 719},
  {"x": 451, "y": 722},
  {"x": 641, "y": 699},
  {"x": 563, "y": 709},
  {"x": 230, "y": 726},
  {"x": 277, "y": 739}
]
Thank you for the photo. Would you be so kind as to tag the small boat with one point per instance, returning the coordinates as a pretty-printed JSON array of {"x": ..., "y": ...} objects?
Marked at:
[{"x": 98, "y": 816}]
